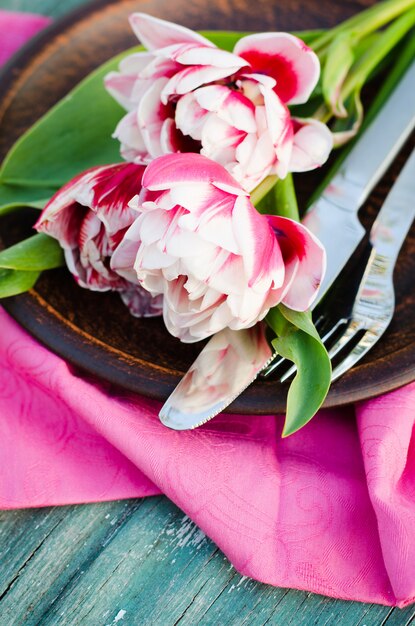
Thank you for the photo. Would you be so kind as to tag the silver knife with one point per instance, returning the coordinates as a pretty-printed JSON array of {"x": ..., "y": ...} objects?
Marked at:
[
  {"x": 333, "y": 219},
  {"x": 230, "y": 359},
  {"x": 374, "y": 305}
]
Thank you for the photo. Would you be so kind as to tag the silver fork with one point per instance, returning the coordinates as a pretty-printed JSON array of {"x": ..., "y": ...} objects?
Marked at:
[{"x": 374, "y": 305}]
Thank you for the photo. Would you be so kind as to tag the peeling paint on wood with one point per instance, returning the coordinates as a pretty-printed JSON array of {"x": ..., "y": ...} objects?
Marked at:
[{"x": 143, "y": 563}]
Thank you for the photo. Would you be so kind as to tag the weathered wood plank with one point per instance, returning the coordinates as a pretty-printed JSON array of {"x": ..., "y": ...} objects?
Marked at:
[
  {"x": 400, "y": 617},
  {"x": 144, "y": 571},
  {"x": 54, "y": 8},
  {"x": 143, "y": 562},
  {"x": 57, "y": 560},
  {"x": 21, "y": 534}
]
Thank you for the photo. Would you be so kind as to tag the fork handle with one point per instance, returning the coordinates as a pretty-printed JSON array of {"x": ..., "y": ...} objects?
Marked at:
[{"x": 386, "y": 236}]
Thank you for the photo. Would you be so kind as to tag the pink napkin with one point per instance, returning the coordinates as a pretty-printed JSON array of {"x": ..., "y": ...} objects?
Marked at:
[
  {"x": 330, "y": 509},
  {"x": 15, "y": 29}
]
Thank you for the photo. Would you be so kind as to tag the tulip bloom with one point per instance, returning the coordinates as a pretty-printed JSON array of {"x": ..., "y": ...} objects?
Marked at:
[
  {"x": 218, "y": 263},
  {"x": 187, "y": 95},
  {"x": 89, "y": 217}
]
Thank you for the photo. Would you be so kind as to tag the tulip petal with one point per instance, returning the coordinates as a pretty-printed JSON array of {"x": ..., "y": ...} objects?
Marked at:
[
  {"x": 215, "y": 57},
  {"x": 168, "y": 139},
  {"x": 220, "y": 140},
  {"x": 122, "y": 260},
  {"x": 227, "y": 275},
  {"x": 156, "y": 33},
  {"x": 135, "y": 63},
  {"x": 186, "y": 244},
  {"x": 197, "y": 324},
  {"x": 195, "y": 76},
  {"x": 286, "y": 58},
  {"x": 113, "y": 187},
  {"x": 279, "y": 126},
  {"x": 197, "y": 198},
  {"x": 208, "y": 382},
  {"x": 312, "y": 144},
  {"x": 299, "y": 246},
  {"x": 151, "y": 258},
  {"x": 121, "y": 87},
  {"x": 151, "y": 114},
  {"x": 190, "y": 116},
  {"x": 158, "y": 66},
  {"x": 263, "y": 261},
  {"x": 253, "y": 78},
  {"x": 108, "y": 189},
  {"x": 218, "y": 230},
  {"x": 247, "y": 309},
  {"x": 175, "y": 169},
  {"x": 173, "y": 140},
  {"x": 255, "y": 160},
  {"x": 278, "y": 119},
  {"x": 231, "y": 106},
  {"x": 141, "y": 303},
  {"x": 129, "y": 135}
]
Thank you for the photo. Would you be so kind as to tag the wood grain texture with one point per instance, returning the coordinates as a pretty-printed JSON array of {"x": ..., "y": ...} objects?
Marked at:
[
  {"x": 53, "y": 8},
  {"x": 141, "y": 562},
  {"x": 139, "y": 354}
]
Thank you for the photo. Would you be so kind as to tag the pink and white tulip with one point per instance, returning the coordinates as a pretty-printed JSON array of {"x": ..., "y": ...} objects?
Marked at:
[
  {"x": 218, "y": 263},
  {"x": 89, "y": 217},
  {"x": 179, "y": 60},
  {"x": 187, "y": 95}
]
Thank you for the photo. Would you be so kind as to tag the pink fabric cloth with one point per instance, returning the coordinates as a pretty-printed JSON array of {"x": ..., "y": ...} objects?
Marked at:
[
  {"x": 16, "y": 29},
  {"x": 331, "y": 509}
]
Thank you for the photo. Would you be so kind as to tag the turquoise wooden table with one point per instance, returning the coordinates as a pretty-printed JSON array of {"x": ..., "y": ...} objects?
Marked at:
[{"x": 139, "y": 562}]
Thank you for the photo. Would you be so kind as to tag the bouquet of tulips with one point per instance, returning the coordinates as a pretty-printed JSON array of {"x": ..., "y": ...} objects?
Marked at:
[{"x": 197, "y": 221}]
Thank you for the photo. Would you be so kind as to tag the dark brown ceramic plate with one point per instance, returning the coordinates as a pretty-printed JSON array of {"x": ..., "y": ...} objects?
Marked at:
[{"x": 94, "y": 332}]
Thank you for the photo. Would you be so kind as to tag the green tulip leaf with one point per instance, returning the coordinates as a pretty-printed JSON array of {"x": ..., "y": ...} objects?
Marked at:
[
  {"x": 340, "y": 58},
  {"x": 37, "y": 253},
  {"x": 15, "y": 197},
  {"x": 14, "y": 282},
  {"x": 346, "y": 129},
  {"x": 297, "y": 340},
  {"x": 73, "y": 136}
]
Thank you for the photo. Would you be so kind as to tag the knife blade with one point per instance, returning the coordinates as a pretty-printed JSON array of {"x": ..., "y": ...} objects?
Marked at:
[
  {"x": 374, "y": 305},
  {"x": 333, "y": 219},
  {"x": 204, "y": 390}
]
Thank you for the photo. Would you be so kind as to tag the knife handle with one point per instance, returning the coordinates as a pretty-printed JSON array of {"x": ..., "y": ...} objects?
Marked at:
[
  {"x": 377, "y": 147},
  {"x": 396, "y": 215}
]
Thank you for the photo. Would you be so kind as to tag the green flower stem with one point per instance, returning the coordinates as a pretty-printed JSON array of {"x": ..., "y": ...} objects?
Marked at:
[
  {"x": 379, "y": 50},
  {"x": 323, "y": 113},
  {"x": 403, "y": 61},
  {"x": 286, "y": 199},
  {"x": 364, "y": 23},
  {"x": 276, "y": 196},
  {"x": 368, "y": 58},
  {"x": 262, "y": 189}
]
